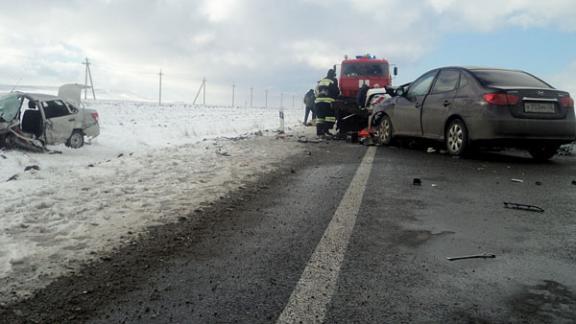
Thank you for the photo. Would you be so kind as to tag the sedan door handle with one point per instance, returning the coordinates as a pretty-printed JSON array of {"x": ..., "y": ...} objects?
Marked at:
[
  {"x": 446, "y": 103},
  {"x": 72, "y": 119}
]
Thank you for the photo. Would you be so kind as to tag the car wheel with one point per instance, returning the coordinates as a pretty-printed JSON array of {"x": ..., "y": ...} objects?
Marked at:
[
  {"x": 385, "y": 131},
  {"x": 76, "y": 140},
  {"x": 7, "y": 141},
  {"x": 543, "y": 152},
  {"x": 456, "y": 137}
]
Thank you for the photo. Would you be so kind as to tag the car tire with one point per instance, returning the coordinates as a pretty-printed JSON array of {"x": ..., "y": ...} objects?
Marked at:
[
  {"x": 76, "y": 140},
  {"x": 456, "y": 138},
  {"x": 543, "y": 152},
  {"x": 385, "y": 131},
  {"x": 7, "y": 141}
]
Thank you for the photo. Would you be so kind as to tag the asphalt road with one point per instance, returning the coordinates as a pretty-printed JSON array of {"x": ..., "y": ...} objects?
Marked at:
[{"x": 341, "y": 235}]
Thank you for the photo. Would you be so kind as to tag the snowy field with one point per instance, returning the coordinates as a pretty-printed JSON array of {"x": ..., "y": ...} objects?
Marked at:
[{"x": 150, "y": 165}]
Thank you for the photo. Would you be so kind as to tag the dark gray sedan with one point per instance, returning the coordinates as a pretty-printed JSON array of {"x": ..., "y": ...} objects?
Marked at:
[{"x": 463, "y": 107}]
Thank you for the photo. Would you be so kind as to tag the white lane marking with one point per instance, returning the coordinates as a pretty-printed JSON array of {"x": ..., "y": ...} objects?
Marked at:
[{"x": 309, "y": 300}]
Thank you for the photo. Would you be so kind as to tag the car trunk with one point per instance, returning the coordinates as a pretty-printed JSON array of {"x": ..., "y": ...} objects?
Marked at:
[{"x": 536, "y": 103}]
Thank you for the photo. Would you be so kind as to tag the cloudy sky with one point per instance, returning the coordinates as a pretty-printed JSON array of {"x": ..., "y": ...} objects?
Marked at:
[{"x": 275, "y": 45}]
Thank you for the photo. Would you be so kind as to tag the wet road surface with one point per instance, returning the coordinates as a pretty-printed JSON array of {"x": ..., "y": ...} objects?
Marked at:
[{"x": 342, "y": 235}]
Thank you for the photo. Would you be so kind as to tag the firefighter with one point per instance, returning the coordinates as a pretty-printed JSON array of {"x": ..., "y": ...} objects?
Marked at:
[{"x": 326, "y": 93}]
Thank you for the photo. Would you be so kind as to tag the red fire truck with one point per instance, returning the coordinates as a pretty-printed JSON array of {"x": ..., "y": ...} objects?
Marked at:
[{"x": 364, "y": 69}]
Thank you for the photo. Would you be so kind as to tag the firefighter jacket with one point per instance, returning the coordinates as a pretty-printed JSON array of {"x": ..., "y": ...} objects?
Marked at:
[{"x": 327, "y": 88}]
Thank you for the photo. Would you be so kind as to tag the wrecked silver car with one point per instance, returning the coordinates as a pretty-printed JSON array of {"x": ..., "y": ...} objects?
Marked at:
[{"x": 32, "y": 121}]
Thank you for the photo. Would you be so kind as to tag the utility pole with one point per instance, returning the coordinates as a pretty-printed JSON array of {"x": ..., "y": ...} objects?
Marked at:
[
  {"x": 88, "y": 76},
  {"x": 203, "y": 89},
  {"x": 233, "y": 93},
  {"x": 266, "y": 98},
  {"x": 251, "y": 97},
  {"x": 204, "y": 92},
  {"x": 160, "y": 88}
]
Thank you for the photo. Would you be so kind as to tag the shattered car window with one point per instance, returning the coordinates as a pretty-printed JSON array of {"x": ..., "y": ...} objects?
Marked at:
[
  {"x": 55, "y": 108},
  {"x": 9, "y": 107}
]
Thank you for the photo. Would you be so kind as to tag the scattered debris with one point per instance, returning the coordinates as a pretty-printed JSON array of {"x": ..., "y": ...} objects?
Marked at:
[
  {"x": 417, "y": 182},
  {"x": 222, "y": 153},
  {"x": 431, "y": 150},
  {"x": 474, "y": 256},
  {"x": 3, "y": 156},
  {"x": 308, "y": 153},
  {"x": 120, "y": 155},
  {"x": 12, "y": 178},
  {"x": 90, "y": 165},
  {"x": 305, "y": 140},
  {"x": 566, "y": 150},
  {"x": 538, "y": 183},
  {"x": 32, "y": 167},
  {"x": 517, "y": 180},
  {"x": 367, "y": 141},
  {"x": 574, "y": 182},
  {"x": 434, "y": 185},
  {"x": 258, "y": 133},
  {"x": 55, "y": 152},
  {"x": 524, "y": 207}
]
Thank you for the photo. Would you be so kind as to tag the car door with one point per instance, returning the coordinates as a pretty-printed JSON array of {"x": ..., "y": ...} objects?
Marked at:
[
  {"x": 59, "y": 121},
  {"x": 439, "y": 103},
  {"x": 408, "y": 107}
]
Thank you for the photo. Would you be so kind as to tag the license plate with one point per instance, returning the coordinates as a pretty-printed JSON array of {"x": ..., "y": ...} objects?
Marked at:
[{"x": 540, "y": 107}]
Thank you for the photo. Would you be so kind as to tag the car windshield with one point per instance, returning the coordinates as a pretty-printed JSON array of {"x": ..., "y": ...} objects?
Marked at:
[
  {"x": 365, "y": 69},
  {"x": 9, "y": 106},
  {"x": 495, "y": 78}
]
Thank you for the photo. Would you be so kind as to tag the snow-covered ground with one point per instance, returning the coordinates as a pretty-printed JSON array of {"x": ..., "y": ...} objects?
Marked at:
[{"x": 150, "y": 165}]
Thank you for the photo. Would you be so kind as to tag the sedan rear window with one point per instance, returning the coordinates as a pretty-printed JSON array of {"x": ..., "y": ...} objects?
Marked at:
[{"x": 495, "y": 78}]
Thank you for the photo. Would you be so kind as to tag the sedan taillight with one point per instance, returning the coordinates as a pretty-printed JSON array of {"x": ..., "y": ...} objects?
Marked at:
[
  {"x": 95, "y": 116},
  {"x": 501, "y": 99},
  {"x": 566, "y": 102}
]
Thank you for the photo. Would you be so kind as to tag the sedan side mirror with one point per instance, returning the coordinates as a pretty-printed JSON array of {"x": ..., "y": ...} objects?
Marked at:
[{"x": 395, "y": 71}]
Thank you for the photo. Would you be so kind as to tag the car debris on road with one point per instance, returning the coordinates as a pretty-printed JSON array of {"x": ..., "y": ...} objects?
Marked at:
[
  {"x": 474, "y": 256},
  {"x": 524, "y": 207}
]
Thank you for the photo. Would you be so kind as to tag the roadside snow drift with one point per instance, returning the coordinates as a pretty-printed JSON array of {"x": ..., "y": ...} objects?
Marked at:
[{"x": 149, "y": 166}]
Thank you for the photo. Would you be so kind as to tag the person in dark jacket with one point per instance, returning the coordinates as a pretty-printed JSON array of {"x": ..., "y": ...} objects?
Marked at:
[
  {"x": 361, "y": 97},
  {"x": 309, "y": 101}
]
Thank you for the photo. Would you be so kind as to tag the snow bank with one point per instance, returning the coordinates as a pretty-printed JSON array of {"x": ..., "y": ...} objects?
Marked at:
[{"x": 150, "y": 165}]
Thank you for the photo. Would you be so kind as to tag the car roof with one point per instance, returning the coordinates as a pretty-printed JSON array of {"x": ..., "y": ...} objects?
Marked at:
[
  {"x": 479, "y": 68},
  {"x": 39, "y": 96}
]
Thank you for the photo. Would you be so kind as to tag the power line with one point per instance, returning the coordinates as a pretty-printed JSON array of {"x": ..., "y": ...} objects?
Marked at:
[{"x": 88, "y": 75}]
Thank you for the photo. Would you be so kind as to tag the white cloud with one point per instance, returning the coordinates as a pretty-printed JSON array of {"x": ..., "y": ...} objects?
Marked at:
[
  {"x": 260, "y": 43},
  {"x": 219, "y": 10}
]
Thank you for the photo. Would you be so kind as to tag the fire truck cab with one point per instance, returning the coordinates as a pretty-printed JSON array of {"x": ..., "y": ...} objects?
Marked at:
[{"x": 364, "y": 69}]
